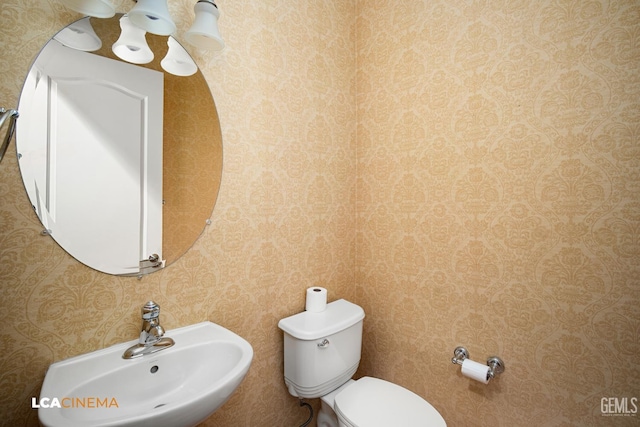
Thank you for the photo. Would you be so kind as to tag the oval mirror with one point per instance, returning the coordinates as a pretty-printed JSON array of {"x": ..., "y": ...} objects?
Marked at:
[{"x": 121, "y": 162}]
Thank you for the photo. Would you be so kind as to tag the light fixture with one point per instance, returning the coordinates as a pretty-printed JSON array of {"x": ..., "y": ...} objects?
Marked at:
[
  {"x": 80, "y": 35},
  {"x": 178, "y": 61},
  {"x": 204, "y": 32},
  {"x": 132, "y": 44},
  {"x": 97, "y": 8},
  {"x": 153, "y": 16}
]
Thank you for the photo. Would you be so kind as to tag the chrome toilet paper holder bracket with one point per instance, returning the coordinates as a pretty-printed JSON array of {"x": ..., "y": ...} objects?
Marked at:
[
  {"x": 460, "y": 354},
  {"x": 495, "y": 364}
]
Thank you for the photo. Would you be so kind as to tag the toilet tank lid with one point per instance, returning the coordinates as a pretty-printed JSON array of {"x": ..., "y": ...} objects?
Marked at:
[{"x": 338, "y": 316}]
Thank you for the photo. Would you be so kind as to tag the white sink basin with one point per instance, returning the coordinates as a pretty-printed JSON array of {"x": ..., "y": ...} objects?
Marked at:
[{"x": 179, "y": 386}]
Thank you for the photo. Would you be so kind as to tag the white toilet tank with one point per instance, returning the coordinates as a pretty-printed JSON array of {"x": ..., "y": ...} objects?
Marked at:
[{"x": 322, "y": 350}]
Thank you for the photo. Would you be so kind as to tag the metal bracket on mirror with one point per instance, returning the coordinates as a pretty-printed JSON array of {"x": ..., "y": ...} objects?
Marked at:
[{"x": 151, "y": 264}]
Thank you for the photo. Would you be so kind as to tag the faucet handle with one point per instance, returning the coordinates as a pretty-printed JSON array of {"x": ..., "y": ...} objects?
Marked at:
[{"x": 150, "y": 310}]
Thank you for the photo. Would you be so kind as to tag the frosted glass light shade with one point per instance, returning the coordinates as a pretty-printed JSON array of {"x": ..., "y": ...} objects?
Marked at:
[
  {"x": 97, "y": 8},
  {"x": 153, "y": 16},
  {"x": 204, "y": 32},
  {"x": 80, "y": 35},
  {"x": 178, "y": 61},
  {"x": 132, "y": 45}
]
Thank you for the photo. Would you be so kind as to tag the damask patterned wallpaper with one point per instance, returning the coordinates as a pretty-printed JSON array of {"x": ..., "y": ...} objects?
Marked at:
[
  {"x": 473, "y": 180},
  {"x": 498, "y": 204}
]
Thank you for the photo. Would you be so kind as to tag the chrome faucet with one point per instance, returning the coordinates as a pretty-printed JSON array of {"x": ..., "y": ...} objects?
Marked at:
[{"x": 152, "y": 337}]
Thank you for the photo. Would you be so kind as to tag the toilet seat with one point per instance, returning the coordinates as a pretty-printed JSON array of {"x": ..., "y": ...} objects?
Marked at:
[{"x": 372, "y": 402}]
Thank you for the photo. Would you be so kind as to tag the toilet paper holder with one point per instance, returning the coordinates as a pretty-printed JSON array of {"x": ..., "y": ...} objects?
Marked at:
[{"x": 495, "y": 364}]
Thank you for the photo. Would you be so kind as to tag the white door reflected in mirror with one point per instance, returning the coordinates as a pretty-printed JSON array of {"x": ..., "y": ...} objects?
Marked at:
[{"x": 95, "y": 184}]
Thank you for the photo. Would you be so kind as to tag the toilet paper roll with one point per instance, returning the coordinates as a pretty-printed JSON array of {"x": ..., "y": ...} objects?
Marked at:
[
  {"x": 316, "y": 299},
  {"x": 475, "y": 371}
]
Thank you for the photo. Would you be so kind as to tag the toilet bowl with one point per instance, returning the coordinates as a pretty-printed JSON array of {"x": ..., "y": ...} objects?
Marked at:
[
  {"x": 372, "y": 402},
  {"x": 322, "y": 352},
  {"x": 327, "y": 416}
]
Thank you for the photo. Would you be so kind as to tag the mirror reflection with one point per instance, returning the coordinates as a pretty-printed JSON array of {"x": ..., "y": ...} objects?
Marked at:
[{"x": 121, "y": 162}]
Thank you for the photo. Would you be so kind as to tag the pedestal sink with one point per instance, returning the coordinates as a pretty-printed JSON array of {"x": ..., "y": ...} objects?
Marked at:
[{"x": 177, "y": 387}]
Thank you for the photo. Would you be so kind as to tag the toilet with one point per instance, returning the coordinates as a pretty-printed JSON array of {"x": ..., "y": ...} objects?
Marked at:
[{"x": 322, "y": 352}]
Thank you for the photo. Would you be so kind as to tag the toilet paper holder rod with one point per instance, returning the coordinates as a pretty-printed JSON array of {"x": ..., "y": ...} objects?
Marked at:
[{"x": 495, "y": 364}]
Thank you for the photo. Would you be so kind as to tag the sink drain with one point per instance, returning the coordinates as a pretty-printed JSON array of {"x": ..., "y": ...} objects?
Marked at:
[{"x": 157, "y": 406}]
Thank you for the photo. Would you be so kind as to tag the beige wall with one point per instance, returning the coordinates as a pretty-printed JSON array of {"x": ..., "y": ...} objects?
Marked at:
[
  {"x": 498, "y": 203},
  {"x": 491, "y": 201}
]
